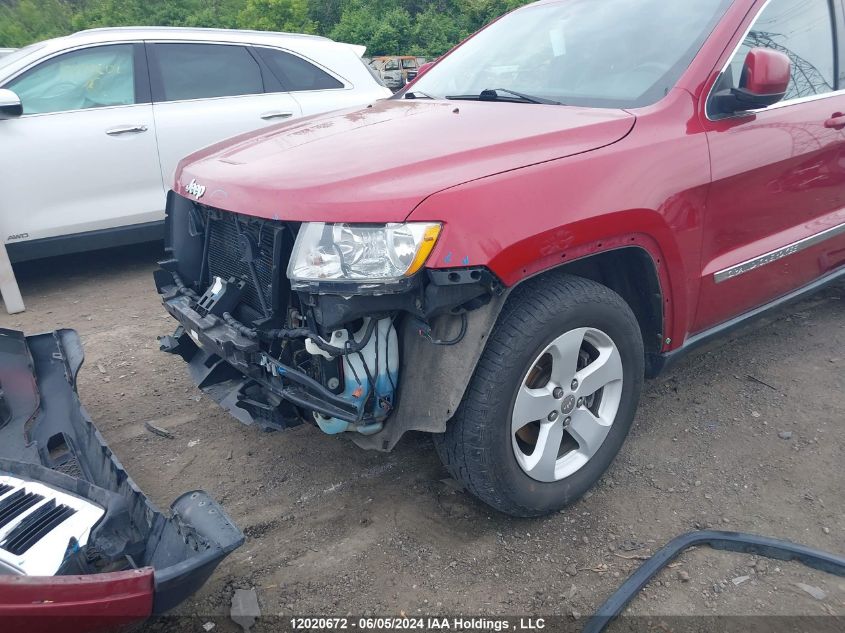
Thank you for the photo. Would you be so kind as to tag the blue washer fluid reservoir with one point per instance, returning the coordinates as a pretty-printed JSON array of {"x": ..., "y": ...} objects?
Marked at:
[{"x": 381, "y": 358}]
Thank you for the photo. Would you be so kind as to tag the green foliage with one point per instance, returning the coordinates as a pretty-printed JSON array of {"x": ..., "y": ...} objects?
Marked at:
[
  {"x": 325, "y": 13},
  {"x": 224, "y": 14},
  {"x": 384, "y": 31},
  {"x": 26, "y": 21},
  {"x": 290, "y": 16},
  {"x": 387, "y": 27},
  {"x": 435, "y": 33}
]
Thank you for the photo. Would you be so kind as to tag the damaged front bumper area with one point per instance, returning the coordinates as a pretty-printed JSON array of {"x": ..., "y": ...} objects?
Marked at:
[
  {"x": 369, "y": 359},
  {"x": 78, "y": 538},
  {"x": 233, "y": 369}
]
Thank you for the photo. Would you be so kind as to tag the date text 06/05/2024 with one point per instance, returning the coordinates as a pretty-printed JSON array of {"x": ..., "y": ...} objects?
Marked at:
[{"x": 418, "y": 624}]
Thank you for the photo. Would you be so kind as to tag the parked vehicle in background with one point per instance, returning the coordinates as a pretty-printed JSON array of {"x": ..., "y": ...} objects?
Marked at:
[
  {"x": 567, "y": 202},
  {"x": 397, "y": 70},
  {"x": 424, "y": 68},
  {"x": 6, "y": 51},
  {"x": 104, "y": 116}
]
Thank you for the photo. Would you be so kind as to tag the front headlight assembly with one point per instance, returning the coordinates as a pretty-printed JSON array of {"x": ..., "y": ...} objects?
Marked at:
[{"x": 361, "y": 252}]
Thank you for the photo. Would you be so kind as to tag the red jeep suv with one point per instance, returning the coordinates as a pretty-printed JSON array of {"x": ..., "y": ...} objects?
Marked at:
[{"x": 499, "y": 254}]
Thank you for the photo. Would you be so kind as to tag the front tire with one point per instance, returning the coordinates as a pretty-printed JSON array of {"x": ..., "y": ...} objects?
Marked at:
[{"x": 552, "y": 399}]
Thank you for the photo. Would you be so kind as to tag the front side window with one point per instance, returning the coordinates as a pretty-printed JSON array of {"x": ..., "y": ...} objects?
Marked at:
[
  {"x": 296, "y": 74},
  {"x": 801, "y": 30},
  {"x": 182, "y": 72},
  {"x": 595, "y": 53},
  {"x": 89, "y": 78}
]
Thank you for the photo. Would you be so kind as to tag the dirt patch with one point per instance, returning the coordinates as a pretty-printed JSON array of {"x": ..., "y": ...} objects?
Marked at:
[{"x": 749, "y": 436}]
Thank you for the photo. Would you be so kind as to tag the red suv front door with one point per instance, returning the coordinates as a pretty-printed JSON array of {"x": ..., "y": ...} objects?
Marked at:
[{"x": 776, "y": 210}]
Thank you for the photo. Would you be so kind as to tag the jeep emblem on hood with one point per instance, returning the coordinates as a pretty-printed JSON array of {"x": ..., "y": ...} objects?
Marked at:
[{"x": 195, "y": 189}]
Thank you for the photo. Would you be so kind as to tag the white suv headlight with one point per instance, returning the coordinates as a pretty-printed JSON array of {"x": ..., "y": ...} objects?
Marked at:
[{"x": 361, "y": 252}]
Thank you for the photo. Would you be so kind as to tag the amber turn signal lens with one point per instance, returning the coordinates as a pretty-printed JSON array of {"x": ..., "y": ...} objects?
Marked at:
[{"x": 428, "y": 242}]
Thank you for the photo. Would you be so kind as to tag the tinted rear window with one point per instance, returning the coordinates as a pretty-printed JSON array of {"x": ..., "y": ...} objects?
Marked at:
[
  {"x": 295, "y": 73},
  {"x": 203, "y": 71}
]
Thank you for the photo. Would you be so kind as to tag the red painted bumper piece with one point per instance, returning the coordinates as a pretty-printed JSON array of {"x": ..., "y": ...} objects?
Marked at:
[{"x": 97, "y": 603}]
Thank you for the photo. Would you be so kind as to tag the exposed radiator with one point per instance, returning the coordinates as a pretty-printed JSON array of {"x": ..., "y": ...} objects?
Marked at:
[{"x": 225, "y": 256}]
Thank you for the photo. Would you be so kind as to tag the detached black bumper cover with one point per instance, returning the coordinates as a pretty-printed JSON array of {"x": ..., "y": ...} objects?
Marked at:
[{"x": 47, "y": 436}]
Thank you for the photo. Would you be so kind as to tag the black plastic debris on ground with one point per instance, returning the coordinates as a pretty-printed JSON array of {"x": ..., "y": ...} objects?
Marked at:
[{"x": 725, "y": 541}]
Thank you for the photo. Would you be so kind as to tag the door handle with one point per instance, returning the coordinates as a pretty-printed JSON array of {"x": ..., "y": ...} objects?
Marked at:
[
  {"x": 836, "y": 122},
  {"x": 268, "y": 116},
  {"x": 127, "y": 129}
]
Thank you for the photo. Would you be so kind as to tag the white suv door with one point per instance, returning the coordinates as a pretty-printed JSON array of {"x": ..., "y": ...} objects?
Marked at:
[
  {"x": 204, "y": 93},
  {"x": 83, "y": 155}
]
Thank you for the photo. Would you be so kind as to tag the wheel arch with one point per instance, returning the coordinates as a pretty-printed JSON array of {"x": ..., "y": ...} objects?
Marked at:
[
  {"x": 634, "y": 273},
  {"x": 427, "y": 402}
]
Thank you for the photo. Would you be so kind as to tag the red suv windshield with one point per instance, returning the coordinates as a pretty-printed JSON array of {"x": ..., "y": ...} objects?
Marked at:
[{"x": 595, "y": 53}]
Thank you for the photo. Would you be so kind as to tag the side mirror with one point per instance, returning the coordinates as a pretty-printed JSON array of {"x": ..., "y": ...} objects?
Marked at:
[
  {"x": 764, "y": 81},
  {"x": 10, "y": 105}
]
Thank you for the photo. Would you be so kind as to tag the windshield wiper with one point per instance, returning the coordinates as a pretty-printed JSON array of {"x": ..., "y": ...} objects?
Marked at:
[{"x": 492, "y": 94}]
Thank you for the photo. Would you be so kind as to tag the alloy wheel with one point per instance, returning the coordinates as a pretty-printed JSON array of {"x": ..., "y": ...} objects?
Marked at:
[{"x": 566, "y": 404}]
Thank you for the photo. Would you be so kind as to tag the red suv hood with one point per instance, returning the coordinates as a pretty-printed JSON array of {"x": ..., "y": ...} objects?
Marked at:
[{"x": 377, "y": 164}]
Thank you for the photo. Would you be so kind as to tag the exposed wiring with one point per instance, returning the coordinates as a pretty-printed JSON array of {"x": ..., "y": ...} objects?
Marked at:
[
  {"x": 182, "y": 288},
  {"x": 249, "y": 259},
  {"x": 370, "y": 387},
  {"x": 242, "y": 329},
  {"x": 387, "y": 355},
  {"x": 378, "y": 365},
  {"x": 351, "y": 347},
  {"x": 206, "y": 243},
  {"x": 286, "y": 335},
  {"x": 355, "y": 374},
  {"x": 425, "y": 332}
]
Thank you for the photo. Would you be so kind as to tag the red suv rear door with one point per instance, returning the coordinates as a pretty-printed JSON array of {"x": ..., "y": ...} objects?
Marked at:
[{"x": 776, "y": 211}]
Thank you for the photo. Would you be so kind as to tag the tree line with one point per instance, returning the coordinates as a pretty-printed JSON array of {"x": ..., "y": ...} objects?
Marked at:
[{"x": 387, "y": 27}]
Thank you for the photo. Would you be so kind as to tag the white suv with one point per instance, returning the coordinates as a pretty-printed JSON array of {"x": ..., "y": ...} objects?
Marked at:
[{"x": 93, "y": 125}]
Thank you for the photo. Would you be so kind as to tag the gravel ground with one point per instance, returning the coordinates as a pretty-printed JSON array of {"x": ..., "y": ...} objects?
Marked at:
[{"x": 746, "y": 436}]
